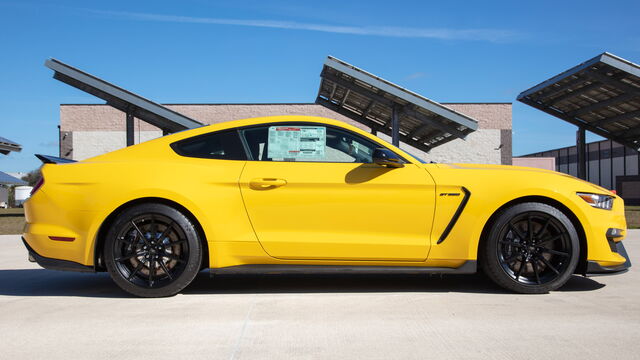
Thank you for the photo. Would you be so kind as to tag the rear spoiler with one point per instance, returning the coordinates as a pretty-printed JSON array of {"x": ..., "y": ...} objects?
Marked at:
[{"x": 48, "y": 159}]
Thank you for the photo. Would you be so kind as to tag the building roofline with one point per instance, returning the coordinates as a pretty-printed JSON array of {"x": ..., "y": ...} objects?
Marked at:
[
  {"x": 477, "y": 103},
  {"x": 209, "y": 104},
  {"x": 571, "y": 146}
]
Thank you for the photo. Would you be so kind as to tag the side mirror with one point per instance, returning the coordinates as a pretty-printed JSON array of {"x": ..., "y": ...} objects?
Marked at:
[{"x": 386, "y": 158}]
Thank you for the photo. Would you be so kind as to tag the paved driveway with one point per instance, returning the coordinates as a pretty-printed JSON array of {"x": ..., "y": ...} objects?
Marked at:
[{"x": 57, "y": 315}]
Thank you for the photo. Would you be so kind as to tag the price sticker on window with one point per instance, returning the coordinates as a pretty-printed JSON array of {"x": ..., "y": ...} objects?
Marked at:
[{"x": 297, "y": 143}]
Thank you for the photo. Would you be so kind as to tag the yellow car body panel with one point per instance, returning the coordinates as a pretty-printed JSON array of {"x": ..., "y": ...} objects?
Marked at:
[
  {"x": 326, "y": 214},
  {"x": 327, "y": 211},
  {"x": 488, "y": 195}
]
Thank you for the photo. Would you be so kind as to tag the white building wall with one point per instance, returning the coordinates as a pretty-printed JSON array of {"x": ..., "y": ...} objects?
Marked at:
[
  {"x": 480, "y": 147},
  {"x": 88, "y": 144}
]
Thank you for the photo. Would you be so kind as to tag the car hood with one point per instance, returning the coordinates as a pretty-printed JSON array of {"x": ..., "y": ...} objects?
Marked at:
[{"x": 523, "y": 169}]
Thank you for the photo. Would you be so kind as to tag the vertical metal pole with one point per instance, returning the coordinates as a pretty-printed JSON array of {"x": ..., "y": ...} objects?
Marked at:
[
  {"x": 130, "y": 138},
  {"x": 586, "y": 160},
  {"x": 599, "y": 163},
  {"x": 395, "y": 126},
  {"x": 374, "y": 132},
  {"x": 59, "y": 142},
  {"x": 624, "y": 160},
  {"x": 638, "y": 151},
  {"x": 582, "y": 153},
  {"x": 612, "y": 185}
]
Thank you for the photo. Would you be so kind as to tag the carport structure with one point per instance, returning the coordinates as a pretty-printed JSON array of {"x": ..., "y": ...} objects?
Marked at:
[
  {"x": 601, "y": 95},
  {"x": 388, "y": 108}
]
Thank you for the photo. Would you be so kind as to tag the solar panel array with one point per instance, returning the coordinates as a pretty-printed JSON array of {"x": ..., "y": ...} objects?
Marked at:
[
  {"x": 6, "y": 179},
  {"x": 121, "y": 99},
  {"x": 370, "y": 100},
  {"x": 7, "y": 146},
  {"x": 602, "y": 95}
]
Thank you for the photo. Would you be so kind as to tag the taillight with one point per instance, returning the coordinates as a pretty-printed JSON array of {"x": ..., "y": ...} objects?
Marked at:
[{"x": 38, "y": 186}]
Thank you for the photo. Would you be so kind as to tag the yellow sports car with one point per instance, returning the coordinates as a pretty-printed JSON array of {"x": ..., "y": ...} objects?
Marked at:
[{"x": 298, "y": 193}]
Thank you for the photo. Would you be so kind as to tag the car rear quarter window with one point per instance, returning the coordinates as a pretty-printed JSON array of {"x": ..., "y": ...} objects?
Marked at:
[{"x": 225, "y": 145}]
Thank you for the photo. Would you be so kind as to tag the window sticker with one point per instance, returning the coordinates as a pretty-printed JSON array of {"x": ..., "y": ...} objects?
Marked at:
[
  {"x": 296, "y": 143},
  {"x": 355, "y": 146}
]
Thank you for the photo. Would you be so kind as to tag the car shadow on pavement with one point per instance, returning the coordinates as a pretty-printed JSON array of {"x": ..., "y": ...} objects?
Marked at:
[
  {"x": 40, "y": 282},
  {"x": 359, "y": 283}
]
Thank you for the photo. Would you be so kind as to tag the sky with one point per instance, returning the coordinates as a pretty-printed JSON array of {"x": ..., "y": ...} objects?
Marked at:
[{"x": 202, "y": 51}]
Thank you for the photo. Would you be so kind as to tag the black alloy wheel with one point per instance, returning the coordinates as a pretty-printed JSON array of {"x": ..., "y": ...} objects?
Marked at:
[
  {"x": 532, "y": 248},
  {"x": 152, "y": 250}
]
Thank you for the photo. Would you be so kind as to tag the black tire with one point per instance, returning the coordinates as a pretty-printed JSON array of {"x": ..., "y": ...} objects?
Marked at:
[
  {"x": 152, "y": 250},
  {"x": 532, "y": 248}
]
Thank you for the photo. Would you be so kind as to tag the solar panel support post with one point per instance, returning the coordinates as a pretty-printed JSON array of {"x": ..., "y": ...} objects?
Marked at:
[
  {"x": 59, "y": 142},
  {"x": 581, "y": 148},
  {"x": 395, "y": 126},
  {"x": 130, "y": 134}
]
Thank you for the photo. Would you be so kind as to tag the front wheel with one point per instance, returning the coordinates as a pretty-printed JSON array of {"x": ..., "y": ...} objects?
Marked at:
[
  {"x": 532, "y": 248},
  {"x": 152, "y": 250}
]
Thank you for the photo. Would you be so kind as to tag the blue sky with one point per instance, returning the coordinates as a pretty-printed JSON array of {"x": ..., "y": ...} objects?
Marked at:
[{"x": 202, "y": 51}]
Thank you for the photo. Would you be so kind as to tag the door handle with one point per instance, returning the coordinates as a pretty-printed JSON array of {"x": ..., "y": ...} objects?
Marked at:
[{"x": 266, "y": 183}]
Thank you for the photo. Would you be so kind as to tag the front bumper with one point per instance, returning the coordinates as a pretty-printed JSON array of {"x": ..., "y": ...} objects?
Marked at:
[
  {"x": 55, "y": 264},
  {"x": 595, "y": 269}
]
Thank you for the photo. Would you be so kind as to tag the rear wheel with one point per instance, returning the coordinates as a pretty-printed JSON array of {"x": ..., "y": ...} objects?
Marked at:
[
  {"x": 152, "y": 250},
  {"x": 533, "y": 248}
]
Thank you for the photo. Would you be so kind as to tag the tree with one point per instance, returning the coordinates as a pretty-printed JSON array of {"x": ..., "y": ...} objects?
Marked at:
[
  {"x": 32, "y": 177},
  {"x": 11, "y": 201}
]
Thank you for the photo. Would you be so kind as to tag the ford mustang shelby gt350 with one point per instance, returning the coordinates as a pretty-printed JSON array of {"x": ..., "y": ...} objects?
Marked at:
[{"x": 306, "y": 193}]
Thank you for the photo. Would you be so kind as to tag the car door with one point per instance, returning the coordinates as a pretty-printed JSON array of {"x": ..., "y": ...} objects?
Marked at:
[{"x": 312, "y": 192}]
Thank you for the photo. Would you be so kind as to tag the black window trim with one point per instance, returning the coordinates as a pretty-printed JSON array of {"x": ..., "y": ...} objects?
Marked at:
[
  {"x": 175, "y": 145},
  {"x": 245, "y": 145}
]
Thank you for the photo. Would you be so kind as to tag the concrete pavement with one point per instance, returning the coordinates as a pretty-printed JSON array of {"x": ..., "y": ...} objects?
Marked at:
[{"x": 58, "y": 315}]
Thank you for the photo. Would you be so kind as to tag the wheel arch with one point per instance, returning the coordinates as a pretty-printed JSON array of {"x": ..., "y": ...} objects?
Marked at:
[
  {"x": 104, "y": 227},
  {"x": 582, "y": 261}
]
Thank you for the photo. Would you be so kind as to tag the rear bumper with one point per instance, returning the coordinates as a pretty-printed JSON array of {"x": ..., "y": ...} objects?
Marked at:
[
  {"x": 55, "y": 264},
  {"x": 595, "y": 269}
]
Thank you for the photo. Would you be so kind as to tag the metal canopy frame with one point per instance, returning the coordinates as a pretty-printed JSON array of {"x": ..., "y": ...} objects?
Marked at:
[
  {"x": 6, "y": 146},
  {"x": 132, "y": 104},
  {"x": 601, "y": 95},
  {"x": 389, "y": 108}
]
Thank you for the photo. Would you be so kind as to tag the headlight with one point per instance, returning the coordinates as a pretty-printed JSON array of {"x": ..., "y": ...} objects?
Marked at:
[{"x": 597, "y": 200}]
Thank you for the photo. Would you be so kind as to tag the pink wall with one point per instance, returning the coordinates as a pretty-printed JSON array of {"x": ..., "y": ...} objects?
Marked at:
[{"x": 548, "y": 163}]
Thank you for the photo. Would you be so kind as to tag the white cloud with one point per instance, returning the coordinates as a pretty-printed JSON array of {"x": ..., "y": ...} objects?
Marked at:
[
  {"x": 416, "y": 75},
  {"x": 492, "y": 35}
]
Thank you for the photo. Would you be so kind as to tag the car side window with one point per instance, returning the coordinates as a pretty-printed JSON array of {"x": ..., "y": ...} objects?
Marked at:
[
  {"x": 307, "y": 143},
  {"x": 224, "y": 145}
]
